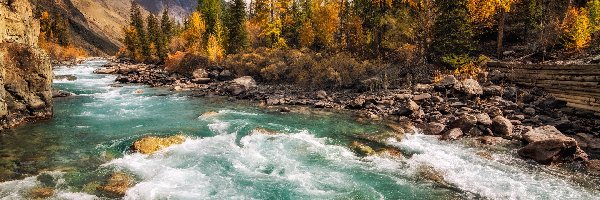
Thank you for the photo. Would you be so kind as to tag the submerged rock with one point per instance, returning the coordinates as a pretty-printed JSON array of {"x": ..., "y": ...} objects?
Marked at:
[
  {"x": 151, "y": 144},
  {"x": 208, "y": 114},
  {"x": 548, "y": 145},
  {"x": 61, "y": 93},
  {"x": 41, "y": 193},
  {"x": 138, "y": 91},
  {"x": 426, "y": 172},
  {"x": 361, "y": 149},
  {"x": 390, "y": 153},
  {"x": 118, "y": 184},
  {"x": 66, "y": 77},
  {"x": 264, "y": 131}
]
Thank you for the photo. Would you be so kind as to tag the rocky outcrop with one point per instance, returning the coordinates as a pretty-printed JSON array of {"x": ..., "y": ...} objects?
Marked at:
[{"x": 25, "y": 71}]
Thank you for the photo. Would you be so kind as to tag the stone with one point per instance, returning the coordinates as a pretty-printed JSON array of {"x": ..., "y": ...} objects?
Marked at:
[
  {"x": 422, "y": 97},
  {"x": 423, "y": 87},
  {"x": 434, "y": 128},
  {"x": 200, "y": 74},
  {"x": 138, "y": 91},
  {"x": 152, "y": 144},
  {"x": 502, "y": 126},
  {"x": 66, "y": 77},
  {"x": 106, "y": 71},
  {"x": 201, "y": 80},
  {"x": 491, "y": 140},
  {"x": 402, "y": 97},
  {"x": 483, "y": 119},
  {"x": 264, "y": 131},
  {"x": 321, "y": 95},
  {"x": 494, "y": 111},
  {"x": 548, "y": 145},
  {"x": 361, "y": 149},
  {"x": 448, "y": 80},
  {"x": 469, "y": 87},
  {"x": 60, "y": 93},
  {"x": 492, "y": 90},
  {"x": 285, "y": 110},
  {"x": 452, "y": 134},
  {"x": 41, "y": 193},
  {"x": 593, "y": 165},
  {"x": 529, "y": 111},
  {"x": 225, "y": 75},
  {"x": 464, "y": 122},
  {"x": 208, "y": 114},
  {"x": 118, "y": 184},
  {"x": 390, "y": 153},
  {"x": 247, "y": 81}
]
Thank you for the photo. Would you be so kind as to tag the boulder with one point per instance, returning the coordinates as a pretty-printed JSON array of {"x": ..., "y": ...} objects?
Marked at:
[
  {"x": 502, "y": 126},
  {"x": 423, "y": 87},
  {"x": 41, "y": 193},
  {"x": 434, "y": 128},
  {"x": 449, "y": 80},
  {"x": 361, "y": 149},
  {"x": 464, "y": 122},
  {"x": 264, "y": 131},
  {"x": 151, "y": 144},
  {"x": 493, "y": 90},
  {"x": 469, "y": 87},
  {"x": 199, "y": 74},
  {"x": 452, "y": 134},
  {"x": 225, "y": 75},
  {"x": 247, "y": 81},
  {"x": 548, "y": 145},
  {"x": 208, "y": 114},
  {"x": 60, "y": 93},
  {"x": 106, "y": 71},
  {"x": 390, "y": 153},
  {"x": 117, "y": 185},
  {"x": 66, "y": 77},
  {"x": 422, "y": 97},
  {"x": 483, "y": 119},
  {"x": 321, "y": 95}
]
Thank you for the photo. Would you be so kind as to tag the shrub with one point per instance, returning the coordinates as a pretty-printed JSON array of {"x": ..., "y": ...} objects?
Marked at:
[{"x": 185, "y": 63}]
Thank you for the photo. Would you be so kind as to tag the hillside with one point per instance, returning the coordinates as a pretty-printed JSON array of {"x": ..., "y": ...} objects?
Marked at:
[{"x": 95, "y": 25}]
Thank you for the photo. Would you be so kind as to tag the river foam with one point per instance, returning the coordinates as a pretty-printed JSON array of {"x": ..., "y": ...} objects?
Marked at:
[
  {"x": 21, "y": 189},
  {"x": 260, "y": 166},
  {"x": 503, "y": 177}
]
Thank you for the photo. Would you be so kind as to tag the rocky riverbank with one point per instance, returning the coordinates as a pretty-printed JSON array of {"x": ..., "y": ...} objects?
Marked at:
[
  {"x": 25, "y": 71},
  {"x": 487, "y": 110}
]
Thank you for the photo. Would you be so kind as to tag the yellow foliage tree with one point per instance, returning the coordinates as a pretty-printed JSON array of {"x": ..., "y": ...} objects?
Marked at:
[
  {"x": 577, "y": 30},
  {"x": 194, "y": 32},
  {"x": 214, "y": 49},
  {"x": 327, "y": 22},
  {"x": 483, "y": 11}
]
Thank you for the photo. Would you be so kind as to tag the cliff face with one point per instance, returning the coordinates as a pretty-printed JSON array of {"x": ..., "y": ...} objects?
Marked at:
[{"x": 25, "y": 71}]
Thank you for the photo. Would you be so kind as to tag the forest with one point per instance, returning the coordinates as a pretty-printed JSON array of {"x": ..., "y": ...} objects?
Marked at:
[{"x": 344, "y": 44}]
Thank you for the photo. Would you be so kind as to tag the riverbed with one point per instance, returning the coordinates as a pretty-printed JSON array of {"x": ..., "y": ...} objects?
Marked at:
[{"x": 224, "y": 157}]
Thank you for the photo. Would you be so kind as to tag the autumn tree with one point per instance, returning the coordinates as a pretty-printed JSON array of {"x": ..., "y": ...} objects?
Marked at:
[
  {"x": 577, "y": 28},
  {"x": 194, "y": 33},
  {"x": 483, "y": 11}
]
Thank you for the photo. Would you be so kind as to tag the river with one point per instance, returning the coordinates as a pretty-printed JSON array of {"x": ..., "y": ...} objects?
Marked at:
[{"x": 91, "y": 133}]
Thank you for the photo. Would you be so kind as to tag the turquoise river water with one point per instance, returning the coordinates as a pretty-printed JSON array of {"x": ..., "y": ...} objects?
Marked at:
[{"x": 90, "y": 135}]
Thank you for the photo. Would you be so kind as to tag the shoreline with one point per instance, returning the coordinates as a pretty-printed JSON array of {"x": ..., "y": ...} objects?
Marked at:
[{"x": 450, "y": 109}]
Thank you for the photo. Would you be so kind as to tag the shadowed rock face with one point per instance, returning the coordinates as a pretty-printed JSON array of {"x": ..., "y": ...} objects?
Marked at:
[{"x": 25, "y": 71}]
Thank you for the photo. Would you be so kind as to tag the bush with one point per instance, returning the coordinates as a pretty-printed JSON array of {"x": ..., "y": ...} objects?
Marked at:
[{"x": 185, "y": 63}]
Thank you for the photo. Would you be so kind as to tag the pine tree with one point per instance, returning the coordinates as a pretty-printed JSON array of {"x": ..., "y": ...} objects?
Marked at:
[
  {"x": 210, "y": 10},
  {"x": 137, "y": 22},
  {"x": 154, "y": 38},
  {"x": 237, "y": 38},
  {"x": 166, "y": 27},
  {"x": 452, "y": 30}
]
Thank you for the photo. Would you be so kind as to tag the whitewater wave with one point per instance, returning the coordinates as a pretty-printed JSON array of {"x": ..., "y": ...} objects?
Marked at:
[
  {"x": 260, "y": 166},
  {"x": 493, "y": 179}
]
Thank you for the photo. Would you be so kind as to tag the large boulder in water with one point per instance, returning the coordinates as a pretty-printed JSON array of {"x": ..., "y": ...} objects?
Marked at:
[
  {"x": 548, "y": 145},
  {"x": 151, "y": 144},
  {"x": 361, "y": 149}
]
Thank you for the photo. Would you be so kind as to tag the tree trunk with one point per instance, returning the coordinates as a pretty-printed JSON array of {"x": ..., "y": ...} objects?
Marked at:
[{"x": 500, "y": 33}]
